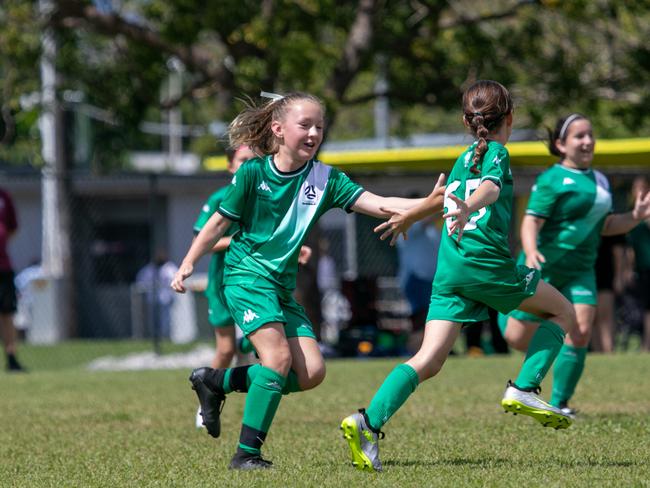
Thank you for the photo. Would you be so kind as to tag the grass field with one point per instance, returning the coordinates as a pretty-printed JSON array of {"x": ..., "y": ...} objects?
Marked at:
[{"x": 64, "y": 426}]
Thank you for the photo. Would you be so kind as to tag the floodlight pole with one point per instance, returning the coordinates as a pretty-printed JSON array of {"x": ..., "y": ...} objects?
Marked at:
[{"x": 56, "y": 248}]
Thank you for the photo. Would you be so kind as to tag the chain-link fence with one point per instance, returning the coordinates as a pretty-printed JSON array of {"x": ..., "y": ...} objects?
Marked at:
[{"x": 121, "y": 223}]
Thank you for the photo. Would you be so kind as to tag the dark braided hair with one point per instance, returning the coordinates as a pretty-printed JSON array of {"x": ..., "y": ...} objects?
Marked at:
[{"x": 485, "y": 106}]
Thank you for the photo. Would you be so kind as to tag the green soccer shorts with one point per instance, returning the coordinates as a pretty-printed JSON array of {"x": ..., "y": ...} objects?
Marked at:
[
  {"x": 259, "y": 303},
  {"x": 579, "y": 289},
  {"x": 218, "y": 313},
  {"x": 470, "y": 302}
]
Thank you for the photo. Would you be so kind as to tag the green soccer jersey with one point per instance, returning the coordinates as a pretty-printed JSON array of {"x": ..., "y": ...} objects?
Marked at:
[
  {"x": 215, "y": 269},
  {"x": 483, "y": 252},
  {"x": 574, "y": 204},
  {"x": 275, "y": 211}
]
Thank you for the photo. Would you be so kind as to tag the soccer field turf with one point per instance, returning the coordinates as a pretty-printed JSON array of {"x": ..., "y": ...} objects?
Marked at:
[{"x": 62, "y": 425}]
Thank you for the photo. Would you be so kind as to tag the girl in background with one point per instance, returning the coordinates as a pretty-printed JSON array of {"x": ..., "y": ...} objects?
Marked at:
[{"x": 569, "y": 209}]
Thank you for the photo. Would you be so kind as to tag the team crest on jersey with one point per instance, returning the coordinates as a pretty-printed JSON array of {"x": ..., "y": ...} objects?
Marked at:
[{"x": 309, "y": 194}]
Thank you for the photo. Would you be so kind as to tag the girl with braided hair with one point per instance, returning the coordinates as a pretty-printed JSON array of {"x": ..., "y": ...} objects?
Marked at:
[{"x": 475, "y": 271}]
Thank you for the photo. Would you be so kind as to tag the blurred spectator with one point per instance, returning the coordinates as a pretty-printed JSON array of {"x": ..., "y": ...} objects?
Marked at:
[
  {"x": 154, "y": 278},
  {"x": 418, "y": 258},
  {"x": 8, "y": 226},
  {"x": 306, "y": 292},
  {"x": 24, "y": 282},
  {"x": 327, "y": 275},
  {"x": 335, "y": 308},
  {"x": 609, "y": 283},
  {"x": 639, "y": 239}
]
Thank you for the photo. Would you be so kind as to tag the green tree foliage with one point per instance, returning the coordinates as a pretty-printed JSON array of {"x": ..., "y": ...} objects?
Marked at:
[{"x": 555, "y": 56}]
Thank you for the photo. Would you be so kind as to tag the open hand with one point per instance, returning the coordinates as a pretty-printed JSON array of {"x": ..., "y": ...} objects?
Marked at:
[
  {"x": 396, "y": 225},
  {"x": 304, "y": 255},
  {"x": 641, "y": 209},
  {"x": 535, "y": 259},
  {"x": 459, "y": 216}
]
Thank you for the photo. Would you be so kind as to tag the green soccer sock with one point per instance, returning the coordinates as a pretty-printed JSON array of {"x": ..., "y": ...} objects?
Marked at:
[
  {"x": 240, "y": 379},
  {"x": 542, "y": 351},
  {"x": 245, "y": 345},
  {"x": 392, "y": 394},
  {"x": 262, "y": 402},
  {"x": 568, "y": 369}
]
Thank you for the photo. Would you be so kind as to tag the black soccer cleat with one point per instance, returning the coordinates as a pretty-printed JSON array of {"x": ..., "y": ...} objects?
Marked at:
[
  {"x": 211, "y": 399},
  {"x": 248, "y": 462},
  {"x": 13, "y": 366}
]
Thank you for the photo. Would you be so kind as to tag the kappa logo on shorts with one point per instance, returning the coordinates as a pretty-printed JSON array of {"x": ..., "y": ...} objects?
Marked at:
[
  {"x": 249, "y": 316},
  {"x": 528, "y": 278}
]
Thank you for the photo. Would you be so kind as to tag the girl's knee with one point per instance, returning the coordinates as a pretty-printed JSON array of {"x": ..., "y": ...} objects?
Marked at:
[
  {"x": 312, "y": 377},
  {"x": 279, "y": 360},
  {"x": 226, "y": 350},
  {"x": 579, "y": 338},
  {"x": 516, "y": 341},
  {"x": 567, "y": 319}
]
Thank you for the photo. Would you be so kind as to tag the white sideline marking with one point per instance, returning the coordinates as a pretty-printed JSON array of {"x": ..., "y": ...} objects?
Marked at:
[{"x": 199, "y": 356}]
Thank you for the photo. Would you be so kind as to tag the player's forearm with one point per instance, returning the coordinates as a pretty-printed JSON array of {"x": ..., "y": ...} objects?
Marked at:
[
  {"x": 530, "y": 227},
  {"x": 205, "y": 241},
  {"x": 427, "y": 207},
  {"x": 222, "y": 244},
  {"x": 619, "y": 224},
  {"x": 486, "y": 194}
]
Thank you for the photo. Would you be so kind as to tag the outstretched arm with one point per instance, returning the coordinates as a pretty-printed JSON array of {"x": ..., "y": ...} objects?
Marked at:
[
  {"x": 375, "y": 205},
  {"x": 401, "y": 220},
  {"x": 204, "y": 242},
  {"x": 486, "y": 194},
  {"x": 623, "y": 223}
]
